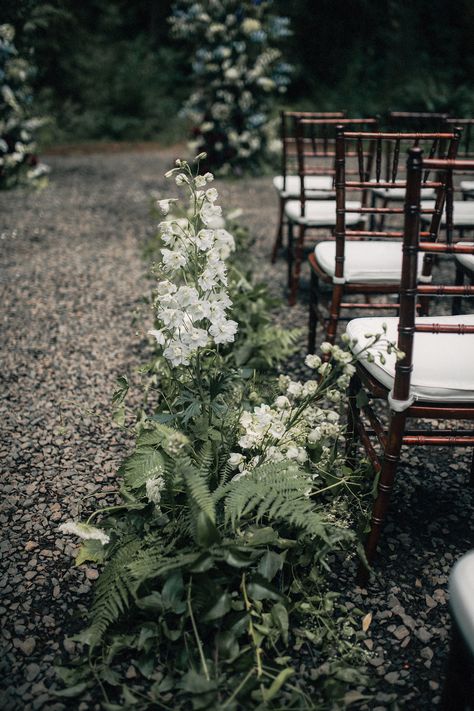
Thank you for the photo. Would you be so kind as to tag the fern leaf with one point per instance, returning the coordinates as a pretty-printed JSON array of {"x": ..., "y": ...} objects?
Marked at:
[{"x": 143, "y": 464}]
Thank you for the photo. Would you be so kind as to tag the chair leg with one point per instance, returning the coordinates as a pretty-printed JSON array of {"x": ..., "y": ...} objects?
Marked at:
[
  {"x": 313, "y": 311},
  {"x": 334, "y": 312},
  {"x": 296, "y": 271},
  {"x": 459, "y": 281},
  {"x": 290, "y": 252},
  {"x": 384, "y": 490},
  {"x": 353, "y": 414},
  {"x": 471, "y": 475},
  {"x": 279, "y": 235}
]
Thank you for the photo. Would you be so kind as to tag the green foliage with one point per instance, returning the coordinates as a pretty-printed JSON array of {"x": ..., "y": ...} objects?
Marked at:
[{"x": 18, "y": 163}]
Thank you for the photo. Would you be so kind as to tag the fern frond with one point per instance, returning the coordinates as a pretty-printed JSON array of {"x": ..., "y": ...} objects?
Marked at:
[
  {"x": 198, "y": 491},
  {"x": 143, "y": 464},
  {"x": 113, "y": 591}
]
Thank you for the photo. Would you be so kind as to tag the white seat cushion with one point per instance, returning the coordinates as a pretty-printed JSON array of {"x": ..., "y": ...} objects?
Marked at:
[
  {"x": 443, "y": 363},
  {"x": 461, "y": 597},
  {"x": 467, "y": 260},
  {"x": 463, "y": 213},
  {"x": 399, "y": 193},
  {"x": 320, "y": 213},
  {"x": 315, "y": 186},
  {"x": 467, "y": 186},
  {"x": 373, "y": 261}
]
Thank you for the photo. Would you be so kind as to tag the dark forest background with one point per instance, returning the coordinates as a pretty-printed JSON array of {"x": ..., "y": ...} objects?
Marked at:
[{"x": 107, "y": 69}]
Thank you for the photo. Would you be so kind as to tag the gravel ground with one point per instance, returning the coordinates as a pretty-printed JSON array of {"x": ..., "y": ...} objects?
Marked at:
[{"x": 71, "y": 278}]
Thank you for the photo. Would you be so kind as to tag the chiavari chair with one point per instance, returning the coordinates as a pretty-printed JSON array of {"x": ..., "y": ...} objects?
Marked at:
[
  {"x": 287, "y": 184},
  {"x": 434, "y": 378},
  {"x": 316, "y": 156},
  {"x": 367, "y": 259}
]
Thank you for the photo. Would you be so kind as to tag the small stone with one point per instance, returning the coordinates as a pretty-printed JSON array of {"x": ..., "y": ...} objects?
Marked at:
[
  {"x": 423, "y": 634},
  {"x": 430, "y": 602},
  {"x": 92, "y": 574},
  {"x": 32, "y": 671},
  {"x": 131, "y": 672},
  {"x": 27, "y": 647},
  {"x": 427, "y": 653},
  {"x": 433, "y": 685},
  {"x": 392, "y": 677},
  {"x": 401, "y": 632}
]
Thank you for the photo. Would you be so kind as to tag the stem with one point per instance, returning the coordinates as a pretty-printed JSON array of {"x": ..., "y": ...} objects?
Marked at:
[
  {"x": 252, "y": 633},
  {"x": 196, "y": 634},
  {"x": 239, "y": 687},
  {"x": 107, "y": 508}
]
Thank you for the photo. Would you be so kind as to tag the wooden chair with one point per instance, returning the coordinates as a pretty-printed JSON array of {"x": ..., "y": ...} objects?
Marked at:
[
  {"x": 287, "y": 184},
  {"x": 416, "y": 121},
  {"x": 458, "y": 691},
  {"x": 435, "y": 377},
  {"x": 412, "y": 122},
  {"x": 316, "y": 154},
  {"x": 367, "y": 260}
]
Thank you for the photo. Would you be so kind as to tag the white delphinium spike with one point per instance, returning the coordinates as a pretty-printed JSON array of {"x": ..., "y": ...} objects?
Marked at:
[{"x": 84, "y": 531}]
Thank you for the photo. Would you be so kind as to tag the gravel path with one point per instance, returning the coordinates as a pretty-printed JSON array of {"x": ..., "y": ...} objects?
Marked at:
[{"x": 71, "y": 278}]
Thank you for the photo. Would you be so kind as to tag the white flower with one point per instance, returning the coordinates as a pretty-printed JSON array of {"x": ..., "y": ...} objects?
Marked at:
[
  {"x": 164, "y": 205},
  {"x": 294, "y": 388},
  {"x": 199, "y": 181},
  {"x": 84, "y": 531},
  {"x": 325, "y": 368},
  {"x": 235, "y": 459},
  {"x": 158, "y": 336},
  {"x": 223, "y": 331},
  {"x": 312, "y": 361},
  {"x": 172, "y": 260},
  {"x": 310, "y": 388},
  {"x": 209, "y": 211},
  {"x": 209, "y": 177},
  {"x": 250, "y": 25},
  {"x": 153, "y": 488},
  {"x": 195, "y": 338},
  {"x": 277, "y": 430},
  {"x": 282, "y": 403},
  {"x": 315, "y": 435},
  {"x": 186, "y": 295},
  {"x": 177, "y": 353},
  {"x": 212, "y": 194},
  {"x": 204, "y": 240},
  {"x": 166, "y": 287},
  {"x": 326, "y": 347}
]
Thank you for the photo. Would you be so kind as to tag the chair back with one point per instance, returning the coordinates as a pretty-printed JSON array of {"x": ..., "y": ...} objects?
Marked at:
[
  {"x": 368, "y": 150},
  {"x": 316, "y": 150},
  {"x": 414, "y": 243},
  {"x": 288, "y": 130},
  {"x": 466, "y": 145},
  {"x": 419, "y": 121}
]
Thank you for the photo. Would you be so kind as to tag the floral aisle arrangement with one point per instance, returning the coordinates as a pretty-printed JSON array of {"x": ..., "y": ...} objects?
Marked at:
[
  {"x": 238, "y": 72},
  {"x": 18, "y": 162},
  {"x": 235, "y": 503}
]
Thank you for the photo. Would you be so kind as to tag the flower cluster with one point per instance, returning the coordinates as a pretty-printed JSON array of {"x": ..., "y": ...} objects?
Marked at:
[
  {"x": 238, "y": 74},
  {"x": 84, "y": 531},
  {"x": 295, "y": 426},
  {"x": 17, "y": 159},
  {"x": 191, "y": 298}
]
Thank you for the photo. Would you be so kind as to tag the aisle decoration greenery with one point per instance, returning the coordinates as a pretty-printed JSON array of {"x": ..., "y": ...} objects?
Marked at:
[
  {"x": 18, "y": 163},
  {"x": 238, "y": 74},
  {"x": 235, "y": 504}
]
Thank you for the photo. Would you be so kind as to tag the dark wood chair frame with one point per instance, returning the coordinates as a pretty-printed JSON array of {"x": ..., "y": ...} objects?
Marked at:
[
  {"x": 416, "y": 121},
  {"x": 316, "y": 147},
  {"x": 344, "y": 184},
  {"x": 396, "y": 435},
  {"x": 288, "y": 128}
]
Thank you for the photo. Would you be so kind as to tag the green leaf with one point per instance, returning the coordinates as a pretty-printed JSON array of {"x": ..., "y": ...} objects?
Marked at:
[
  {"x": 280, "y": 617},
  {"x": 219, "y": 609},
  {"x": 151, "y": 603},
  {"x": 277, "y": 683},
  {"x": 122, "y": 389},
  {"x": 173, "y": 592},
  {"x": 270, "y": 564},
  {"x": 71, "y": 691},
  {"x": 259, "y": 589},
  {"x": 195, "y": 683},
  {"x": 90, "y": 550},
  {"x": 145, "y": 463},
  {"x": 361, "y": 399},
  {"x": 206, "y": 531}
]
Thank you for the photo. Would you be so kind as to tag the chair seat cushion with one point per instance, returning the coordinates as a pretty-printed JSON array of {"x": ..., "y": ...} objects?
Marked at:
[
  {"x": 467, "y": 186},
  {"x": 320, "y": 213},
  {"x": 466, "y": 260},
  {"x": 463, "y": 213},
  {"x": 442, "y": 363},
  {"x": 315, "y": 186},
  {"x": 369, "y": 261},
  {"x": 399, "y": 193},
  {"x": 461, "y": 597}
]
